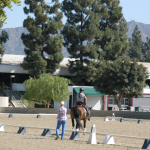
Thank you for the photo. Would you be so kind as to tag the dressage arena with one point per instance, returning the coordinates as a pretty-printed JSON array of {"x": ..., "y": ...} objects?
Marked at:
[{"x": 10, "y": 140}]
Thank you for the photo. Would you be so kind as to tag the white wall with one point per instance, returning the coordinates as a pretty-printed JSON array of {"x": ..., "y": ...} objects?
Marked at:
[
  {"x": 4, "y": 101},
  {"x": 146, "y": 91},
  {"x": 12, "y": 69},
  {"x": 70, "y": 89},
  {"x": 145, "y": 101},
  {"x": 95, "y": 101}
]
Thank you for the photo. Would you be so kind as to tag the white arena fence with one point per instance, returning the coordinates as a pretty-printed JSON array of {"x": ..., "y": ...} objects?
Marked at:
[
  {"x": 26, "y": 114},
  {"x": 139, "y": 121},
  {"x": 76, "y": 136},
  {"x": 38, "y": 115}
]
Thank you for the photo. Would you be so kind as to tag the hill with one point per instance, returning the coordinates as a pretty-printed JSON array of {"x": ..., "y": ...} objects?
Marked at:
[
  {"x": 15, "y": 46},
  {"x": 144, "y": 28}
]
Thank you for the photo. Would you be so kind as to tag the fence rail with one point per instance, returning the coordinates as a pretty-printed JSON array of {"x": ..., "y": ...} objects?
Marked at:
[
  {"x": 122, "y": 136},
  {"x": 75, "y": 135},
  {"x": 26, "y": 114}
]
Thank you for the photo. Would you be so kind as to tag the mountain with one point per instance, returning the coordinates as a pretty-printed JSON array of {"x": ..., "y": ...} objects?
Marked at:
[
  {"x": 15, "y": 46},
  {"x": 144, "y": 28}
]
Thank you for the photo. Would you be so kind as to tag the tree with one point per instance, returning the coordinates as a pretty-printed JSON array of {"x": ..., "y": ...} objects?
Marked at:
[
  {"x": 6, "y": 3},
  {"x": 79, "y": 33},
  {"x": 114, "y": 41},
  {"x": 135, "y": 44},
  {"x": 123, "y": 78},
  {"x": 43, "y": 43},
  {"x": 47, "y": 88},
  {"x": 4, "y": 35},
  {"x": 122, "y": 37},
  {"x": 146, "y": 50},
  {"x": 3, "y": 38}
]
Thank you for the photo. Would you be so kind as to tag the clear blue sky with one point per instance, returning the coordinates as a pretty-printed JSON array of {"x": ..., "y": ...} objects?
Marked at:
[{"x": 138, "y": 10}]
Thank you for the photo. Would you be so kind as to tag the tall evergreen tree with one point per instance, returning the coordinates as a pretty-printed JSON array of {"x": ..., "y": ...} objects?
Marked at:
[
  {"x": 135, "y": 44},
  {"x": 146, "y": 50},
  {"x": 80, "y": 31},
  {"x": 123, "y": 29},
  {"x": 43, "y": 43},
  {"x": 114, "y": 42},
  {"x": 3, "y": 38}
]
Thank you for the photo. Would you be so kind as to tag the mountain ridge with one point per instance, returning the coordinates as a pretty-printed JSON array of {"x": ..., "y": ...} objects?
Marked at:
[{"x": 15, "y": 45}]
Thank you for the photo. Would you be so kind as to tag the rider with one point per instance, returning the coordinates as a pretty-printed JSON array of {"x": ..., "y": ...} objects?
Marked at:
[{"x": 82, "y": 100}]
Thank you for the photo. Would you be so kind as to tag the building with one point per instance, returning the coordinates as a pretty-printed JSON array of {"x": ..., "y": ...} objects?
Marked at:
[
  {"x": 11, "y": 66},
  {"x": 96, "y": 100}
]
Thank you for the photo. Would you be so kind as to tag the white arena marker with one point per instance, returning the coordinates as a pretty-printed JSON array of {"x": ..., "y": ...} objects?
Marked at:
[
  {"x": 113, "y": 117},
  {"x": 92, "y": 137},
  {"x": 106, "y": 119},
  {"x": 1, "y": 127},
  {"x": 108, "y": 140}
]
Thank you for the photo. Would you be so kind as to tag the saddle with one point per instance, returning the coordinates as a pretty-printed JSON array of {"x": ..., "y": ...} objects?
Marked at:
[{"x": 81, "y": 104}]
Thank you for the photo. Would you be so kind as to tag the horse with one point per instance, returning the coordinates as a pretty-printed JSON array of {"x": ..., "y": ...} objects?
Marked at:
[{"x": 79, "y": 113}]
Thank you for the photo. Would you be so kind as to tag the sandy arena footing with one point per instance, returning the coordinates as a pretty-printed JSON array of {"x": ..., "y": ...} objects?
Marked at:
[{"x": 10, "y": 140}]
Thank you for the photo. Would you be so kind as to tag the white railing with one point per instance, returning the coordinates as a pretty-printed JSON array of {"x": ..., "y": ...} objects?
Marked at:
[{"x": 122, "y": 136}]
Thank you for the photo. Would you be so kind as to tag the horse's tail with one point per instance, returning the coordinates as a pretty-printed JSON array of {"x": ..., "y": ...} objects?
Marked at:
[{"x": 76, "y": 115}]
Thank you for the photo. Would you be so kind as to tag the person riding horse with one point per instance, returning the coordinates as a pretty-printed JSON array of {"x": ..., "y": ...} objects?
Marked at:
[{"x": 82, "y": 100}]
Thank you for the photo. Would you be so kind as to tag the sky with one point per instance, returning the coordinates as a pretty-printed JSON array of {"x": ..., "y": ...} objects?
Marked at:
[{"x": 137, "y": 10}]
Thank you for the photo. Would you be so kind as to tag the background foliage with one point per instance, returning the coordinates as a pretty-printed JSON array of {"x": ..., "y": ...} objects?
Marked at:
[
  {"x": 47, "y": 88},
  {"x": 121, "y": 79}
]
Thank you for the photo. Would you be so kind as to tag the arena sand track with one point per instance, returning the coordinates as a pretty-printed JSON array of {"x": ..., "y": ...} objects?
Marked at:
[{"x": 33, "y": 140}]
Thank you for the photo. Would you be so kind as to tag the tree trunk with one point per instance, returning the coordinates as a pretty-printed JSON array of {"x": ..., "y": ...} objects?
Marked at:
[
  {"x": 118, "y": 100},
  {"x": 119, "y": 104},
  {"x": 47, "y": 104}
]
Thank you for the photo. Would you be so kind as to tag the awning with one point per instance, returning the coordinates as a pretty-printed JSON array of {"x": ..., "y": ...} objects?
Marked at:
[{"x": 87, "y": 91}]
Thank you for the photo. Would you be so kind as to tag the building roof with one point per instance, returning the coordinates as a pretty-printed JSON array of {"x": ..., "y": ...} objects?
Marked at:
[
  {"x": 12, "y": 59},
  {"x": 17, "y": 59},
  {"x": 13, "y": 65}
]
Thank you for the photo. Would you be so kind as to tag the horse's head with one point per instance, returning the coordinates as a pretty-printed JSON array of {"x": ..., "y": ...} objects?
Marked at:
[{"x": 90, "y": 111}]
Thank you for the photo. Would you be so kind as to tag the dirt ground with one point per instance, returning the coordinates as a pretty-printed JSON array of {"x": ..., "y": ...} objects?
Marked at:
[{"x": 10, "y": 140}]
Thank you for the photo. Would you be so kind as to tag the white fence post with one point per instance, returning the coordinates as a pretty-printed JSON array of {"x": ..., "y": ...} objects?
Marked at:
[{"x": 92, "y": 137}]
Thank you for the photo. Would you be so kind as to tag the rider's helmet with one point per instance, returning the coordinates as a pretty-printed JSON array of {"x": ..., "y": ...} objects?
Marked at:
[{"x": 81, "y": 89}]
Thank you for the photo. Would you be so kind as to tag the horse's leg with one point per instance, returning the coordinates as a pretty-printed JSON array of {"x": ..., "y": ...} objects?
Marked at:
[
  {"x": 72, "y": 117},
  {"x": 77, "y": 126},
  {"x": 85, "y": 124},
  {"x": 73, "y": 124}
]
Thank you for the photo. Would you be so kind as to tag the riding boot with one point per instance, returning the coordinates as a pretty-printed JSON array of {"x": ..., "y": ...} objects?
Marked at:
[{"x": 88, "y": 114}]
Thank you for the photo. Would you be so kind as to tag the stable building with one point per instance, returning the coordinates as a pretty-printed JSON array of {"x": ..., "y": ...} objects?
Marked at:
[{"x": 11, "y": 66}]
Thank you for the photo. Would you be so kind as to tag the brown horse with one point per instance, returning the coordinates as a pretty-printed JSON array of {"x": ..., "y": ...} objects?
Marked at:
[{"x": 79, "y": 113}]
